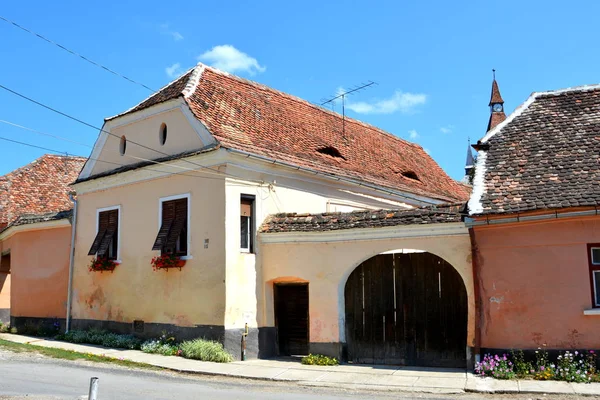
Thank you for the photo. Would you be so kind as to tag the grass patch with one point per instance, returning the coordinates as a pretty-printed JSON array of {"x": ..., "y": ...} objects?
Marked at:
[
  {"x": 205, "y": 350},
  {"x": 71, "y": 355}
]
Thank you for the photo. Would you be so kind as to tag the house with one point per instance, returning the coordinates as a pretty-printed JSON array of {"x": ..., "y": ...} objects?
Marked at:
[
  {"x": 196, "y": 169},
  {"x": 535, "y": 224},
  {"x": 35, "y": 241}
]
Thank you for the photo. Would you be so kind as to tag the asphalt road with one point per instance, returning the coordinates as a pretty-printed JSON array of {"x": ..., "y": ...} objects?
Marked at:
[{"x": 34, "y": 377}]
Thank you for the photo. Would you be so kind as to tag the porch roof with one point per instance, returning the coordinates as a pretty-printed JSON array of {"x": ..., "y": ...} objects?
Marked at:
[{"x": 294, "y": 222}]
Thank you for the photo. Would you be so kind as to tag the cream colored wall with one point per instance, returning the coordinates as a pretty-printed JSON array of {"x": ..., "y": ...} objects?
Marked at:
[
  {"x": 181, "y": 137},
  {"x": 193, "y": 296},
  {"x": 326, "y": 266}
]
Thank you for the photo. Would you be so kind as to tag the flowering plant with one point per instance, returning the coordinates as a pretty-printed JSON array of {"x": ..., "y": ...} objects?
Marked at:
[
  {"x": 102, "y": 264},
  {"x": 166, "y": 261},
  {"x": 495, "y": 366},
  {"x": 576, "y": 366}
]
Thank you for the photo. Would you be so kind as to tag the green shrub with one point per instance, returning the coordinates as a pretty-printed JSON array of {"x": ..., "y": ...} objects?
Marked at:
[
  {"x": 4, "y": 328},
  {"x": 156, "y": 347},
  {"x": 521, "y": 367},
  {"x": 205, "y": 350},
  {"x": 319, "y": 359},
  {"x": 102, "y": 338}
]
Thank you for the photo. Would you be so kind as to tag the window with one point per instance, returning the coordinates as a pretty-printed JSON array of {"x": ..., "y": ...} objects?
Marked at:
[
  {"x": 5, "y": 263},
  {"x": 247, "y": 223},
  {"x": 106, "y": 243},
  {"x": 594, "y": 258},
  {"x": 162, "y": 134},
  {"x": 123, "y": 145},
  {"x": 173, "y": 237}
]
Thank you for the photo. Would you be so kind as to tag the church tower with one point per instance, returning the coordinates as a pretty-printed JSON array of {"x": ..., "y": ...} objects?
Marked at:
[{"x": 496, "y": 106}]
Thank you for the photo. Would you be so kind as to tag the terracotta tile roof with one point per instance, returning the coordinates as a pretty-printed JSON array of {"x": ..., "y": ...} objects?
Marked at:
[
  {"x": 495, "y": 97},
  {"x": 495, "y": 119},
  {"x": 254, "y": 118},
  {"x": 293, "y": 222},
  {"x": 27, "y": 219},
  {"x": 546, "y": 155},
  {"x": 38, "y": 188}
]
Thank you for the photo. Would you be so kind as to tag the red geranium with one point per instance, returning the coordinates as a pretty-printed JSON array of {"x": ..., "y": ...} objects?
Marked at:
[
  {"x": 166, "y": 261},
  {"x": 102, "y": 264}
]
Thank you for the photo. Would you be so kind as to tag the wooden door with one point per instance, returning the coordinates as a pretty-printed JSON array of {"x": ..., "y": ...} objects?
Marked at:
[
  {"x": 291, "y": 318},
  {"x": 406, "y": 309}
]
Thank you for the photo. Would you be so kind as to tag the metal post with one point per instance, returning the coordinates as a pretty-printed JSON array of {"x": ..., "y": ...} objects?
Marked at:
[{"x": 93, "y": 389}]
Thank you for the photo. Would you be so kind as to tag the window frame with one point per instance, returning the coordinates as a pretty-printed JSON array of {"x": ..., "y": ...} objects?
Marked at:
[
  {"x": 111, "y": 208},
  {"x": 3, "y": 256},
  {"x": 593, "y": 268},
  {"x": 187, "y": 196},
  {"x": 252, "y": 228}
]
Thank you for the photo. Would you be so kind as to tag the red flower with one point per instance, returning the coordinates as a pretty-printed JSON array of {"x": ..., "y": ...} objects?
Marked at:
[{"x": 166, "y": 261}]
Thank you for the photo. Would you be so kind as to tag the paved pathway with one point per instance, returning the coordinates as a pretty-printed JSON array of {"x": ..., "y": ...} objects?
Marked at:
[{"x": 388, "y": 378}]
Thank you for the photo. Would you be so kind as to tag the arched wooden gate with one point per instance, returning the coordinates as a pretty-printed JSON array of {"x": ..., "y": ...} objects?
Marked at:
[{"x": 406, "y": 309}]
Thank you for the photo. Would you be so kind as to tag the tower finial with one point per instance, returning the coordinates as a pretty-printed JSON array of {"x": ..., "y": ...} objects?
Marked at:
[{"x": 494, "y": 73}]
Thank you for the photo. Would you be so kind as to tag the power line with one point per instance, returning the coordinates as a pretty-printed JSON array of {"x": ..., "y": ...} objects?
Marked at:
[
  {"x": 45, "y": 134},
  {"x": 98, "y": 160},
  {"x": 75, "y": 53},
  {"x": 110, "y": 133}
]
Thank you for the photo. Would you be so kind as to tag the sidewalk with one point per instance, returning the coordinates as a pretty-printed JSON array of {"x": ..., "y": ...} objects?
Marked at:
[{"x": 387, "y": 378}]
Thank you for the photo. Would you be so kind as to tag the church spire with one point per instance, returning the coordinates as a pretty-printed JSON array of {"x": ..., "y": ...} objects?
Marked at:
[
  {"x": 469, "y": 166},
  {"x": 496, "y": 105}
]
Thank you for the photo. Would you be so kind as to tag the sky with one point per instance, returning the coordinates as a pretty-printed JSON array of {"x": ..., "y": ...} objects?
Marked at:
[{"x": 432, "y": 61}]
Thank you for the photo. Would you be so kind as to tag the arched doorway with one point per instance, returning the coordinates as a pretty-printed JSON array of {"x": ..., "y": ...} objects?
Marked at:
[{"x": 406, "y": 308}]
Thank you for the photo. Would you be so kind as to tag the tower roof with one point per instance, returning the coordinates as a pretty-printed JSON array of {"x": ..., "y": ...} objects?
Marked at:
[
  {"x": 470, "y": 162},
  {"x": 495, "y": 97}
]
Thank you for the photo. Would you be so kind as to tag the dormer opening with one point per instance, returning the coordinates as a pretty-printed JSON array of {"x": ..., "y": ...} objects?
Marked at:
[
  {"x": 123, "y": 145},
  {"x": 162, "y": 134},
  {"x": 411, "y": 175},
  {"x": 331, "y": 151}
]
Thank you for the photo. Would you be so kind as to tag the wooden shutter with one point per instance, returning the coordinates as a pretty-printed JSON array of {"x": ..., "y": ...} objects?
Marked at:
[
  {"x": 102, "y": 228},
  {"x": 168, "y": 217},
  {"x": 246, "y": 207},
  {"x": 179, "y": 222},
  {"x": 112, "y": 227}
]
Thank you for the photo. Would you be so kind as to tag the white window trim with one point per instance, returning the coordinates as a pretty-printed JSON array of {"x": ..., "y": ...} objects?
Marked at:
[
  {"x": 595, "y": 285},
  {"x": 592, "y": 255},
  {"x": 187, "y": 196},
  {"x": 118, "y": 207}
]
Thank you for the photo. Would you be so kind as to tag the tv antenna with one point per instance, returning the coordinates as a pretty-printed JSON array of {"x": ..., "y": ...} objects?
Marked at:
[{"x": 343, "y": 95}]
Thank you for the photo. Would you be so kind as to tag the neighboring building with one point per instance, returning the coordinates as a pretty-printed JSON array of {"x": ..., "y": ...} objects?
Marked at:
[
  {"x": 206, "y": 160},
  {"x": 535, "y": 224},
  {"x": 35, "y": 240}
]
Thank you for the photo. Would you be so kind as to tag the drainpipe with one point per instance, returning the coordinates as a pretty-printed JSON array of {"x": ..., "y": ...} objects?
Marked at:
[
  {"x": 71, "y": 261},
  {"x": 477, "y": 294}
]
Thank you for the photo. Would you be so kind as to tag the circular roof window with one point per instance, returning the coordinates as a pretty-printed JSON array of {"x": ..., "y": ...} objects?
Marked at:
[
  {"x": 162, "y": 134},
  {"x": 123, "y": 145}
]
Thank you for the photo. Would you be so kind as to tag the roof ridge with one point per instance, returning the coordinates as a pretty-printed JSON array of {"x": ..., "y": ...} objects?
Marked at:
[
  {"x": 300, "y": 99},
  {"x": 152, "y": 95},
  {"x": 580, "y": 88}
]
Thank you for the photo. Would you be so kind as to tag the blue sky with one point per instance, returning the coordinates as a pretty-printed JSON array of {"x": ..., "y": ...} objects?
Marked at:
[{"x": 432, "y": 60}]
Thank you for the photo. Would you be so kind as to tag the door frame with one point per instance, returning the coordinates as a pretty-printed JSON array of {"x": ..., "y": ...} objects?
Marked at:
[{"x": 275, "y": 314}]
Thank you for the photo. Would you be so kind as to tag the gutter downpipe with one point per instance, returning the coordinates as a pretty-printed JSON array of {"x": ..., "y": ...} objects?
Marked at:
[
  {"x": 477, "y": 295},
  {"x": 71, "y": 261}
]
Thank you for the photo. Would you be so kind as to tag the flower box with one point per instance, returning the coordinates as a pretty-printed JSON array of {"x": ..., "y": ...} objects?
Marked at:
[
  {"x": 167, "y": 261},
  {"x": 101, "y": 264}
]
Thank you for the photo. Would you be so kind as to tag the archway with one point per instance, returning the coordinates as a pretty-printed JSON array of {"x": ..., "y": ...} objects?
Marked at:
[{"x": 406, "y": 308}]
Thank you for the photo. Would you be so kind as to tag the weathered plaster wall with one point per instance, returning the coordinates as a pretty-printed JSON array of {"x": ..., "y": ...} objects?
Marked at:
[
  {"x": 39, "y": 272},
  {"x": 326, "y": 266},
  {"x": 180, "y": 137},
  {"x": 187, "y": 298},
  {"x": 535, "y": 284},
  {"x": 4, "y": 297}
]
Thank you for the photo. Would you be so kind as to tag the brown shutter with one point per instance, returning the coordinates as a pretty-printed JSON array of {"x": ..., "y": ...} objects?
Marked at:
[
  {"x": 168, "y": 217},
  {"x": 246, "y": 208},
  {"x": 102, "y": 227},
  {"x": 111, "y": 229},
  {"x": 180, "y": 221}
]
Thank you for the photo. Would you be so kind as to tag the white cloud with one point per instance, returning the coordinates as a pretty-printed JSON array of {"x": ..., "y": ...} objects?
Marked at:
[
  {"x": 399, "y": 102},
  {"x": 174, "y": 70},
  {"x": 413, "y": 134},
  {"x": 228, "y": 58},
  {"x": 165, "y": 30},
  {"x": 447, "y": 129}
]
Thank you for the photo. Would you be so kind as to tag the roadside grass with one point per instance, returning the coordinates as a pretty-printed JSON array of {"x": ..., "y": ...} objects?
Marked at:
[{"x": 72, "y": 355}]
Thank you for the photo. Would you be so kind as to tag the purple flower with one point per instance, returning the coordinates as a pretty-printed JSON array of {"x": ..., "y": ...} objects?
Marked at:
[{"x": 542, "y": 368}]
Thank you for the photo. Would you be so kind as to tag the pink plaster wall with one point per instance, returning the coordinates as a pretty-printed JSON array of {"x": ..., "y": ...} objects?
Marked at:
[
  {"x": 535, "y": 285},
  {"x": 39, "y": 272}
]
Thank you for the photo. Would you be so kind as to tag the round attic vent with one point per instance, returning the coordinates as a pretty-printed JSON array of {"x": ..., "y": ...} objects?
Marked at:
[{"x": 123, "y": 145}]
